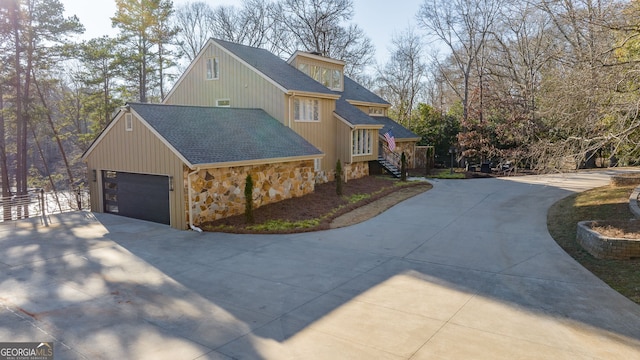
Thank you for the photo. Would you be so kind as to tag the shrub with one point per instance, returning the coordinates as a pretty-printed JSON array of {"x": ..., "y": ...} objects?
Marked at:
[
  {"x": 248, "y": 196},
  {"x": 339, "y": 178},
  {"x": 403, "y": 167}
]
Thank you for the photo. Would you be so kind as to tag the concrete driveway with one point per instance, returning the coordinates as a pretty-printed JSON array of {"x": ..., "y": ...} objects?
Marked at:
[{"x": 464, "y": 271}]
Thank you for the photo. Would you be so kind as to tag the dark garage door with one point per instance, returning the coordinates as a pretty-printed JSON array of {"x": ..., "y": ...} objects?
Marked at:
[{"x": 139, "y": 196}]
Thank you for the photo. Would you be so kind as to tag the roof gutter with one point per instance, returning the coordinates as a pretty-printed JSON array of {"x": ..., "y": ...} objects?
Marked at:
[{"x": 330, "y": 96}]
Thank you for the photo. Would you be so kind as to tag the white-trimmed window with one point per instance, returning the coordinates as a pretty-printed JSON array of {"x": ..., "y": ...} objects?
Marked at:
[
  {"x": 362, "y": 142},
  {"x": 317, "y": 165},
  {"x": 213, "y": 69},
  {"x": 336, "y": 80},
  {"x": 128, "y": 122},
  {"x": 223, "y": 103},
  {"x": 376, "y": 111},
  {"x": 331, "y": 78},
  {"x": 306, "y": 109}
]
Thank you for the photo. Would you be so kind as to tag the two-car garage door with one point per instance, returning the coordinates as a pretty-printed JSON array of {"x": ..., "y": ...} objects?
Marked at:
[{"x": 139, "y": 196}]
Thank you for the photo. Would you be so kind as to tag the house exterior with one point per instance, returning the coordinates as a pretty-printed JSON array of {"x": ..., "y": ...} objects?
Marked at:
[{"x": 239, "y": 110}]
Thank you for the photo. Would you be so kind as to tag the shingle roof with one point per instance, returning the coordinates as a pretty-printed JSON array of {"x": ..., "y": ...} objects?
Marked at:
[
  {"x": 208, "y": 135},
  {"x": 399, "y": 131},
  {"x": 356, "y": 92},
  {"x": 352, "y": 114},
  {"x": 275, "y": 68}
]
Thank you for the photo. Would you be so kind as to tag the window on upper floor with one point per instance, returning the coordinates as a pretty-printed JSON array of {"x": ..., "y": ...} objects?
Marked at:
[
  {"x": 128, "y": 122},
  {"x": 331, "y": 78},
  {"x": 376, "y": 111},
  {"x": 362, "y": 142},
  {"x": 306, "y": 109},
  {"x": 213, "y": 69}
]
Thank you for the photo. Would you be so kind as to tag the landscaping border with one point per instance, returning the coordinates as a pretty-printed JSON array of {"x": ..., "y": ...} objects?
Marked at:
[
  {"x": 603, "y": 247},
  {"x": 633, "y": 202}
]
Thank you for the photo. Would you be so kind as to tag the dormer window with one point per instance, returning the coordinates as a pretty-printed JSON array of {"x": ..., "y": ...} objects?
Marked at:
[
  {"x": 336, "y": 80},
  {"x": 376, "y": 111},
  {"x": 331, "y": 78}
]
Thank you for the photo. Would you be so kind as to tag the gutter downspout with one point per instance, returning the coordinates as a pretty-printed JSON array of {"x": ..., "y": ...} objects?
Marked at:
[
  {"x": 289, "y": 110},
  {"x": 191, "y": 226}
]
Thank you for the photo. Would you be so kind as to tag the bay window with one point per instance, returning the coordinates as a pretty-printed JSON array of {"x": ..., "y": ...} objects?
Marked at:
[{"x": 362, "y": 142}]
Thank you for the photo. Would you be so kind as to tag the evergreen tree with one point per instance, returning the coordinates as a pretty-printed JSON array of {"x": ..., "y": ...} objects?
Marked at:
[
  {"x": 248, "y": 196},
  {"x": 33, "y": 36},
  {"x": 145, "y": 32},
  {"x": 339, "y": 178}
]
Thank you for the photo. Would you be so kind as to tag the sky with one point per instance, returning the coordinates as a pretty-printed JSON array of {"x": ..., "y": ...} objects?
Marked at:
[{"x": 380, "y": 19}]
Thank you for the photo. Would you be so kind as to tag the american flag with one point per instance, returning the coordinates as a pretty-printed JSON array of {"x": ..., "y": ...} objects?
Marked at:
[{"x": 391, "y": 140}]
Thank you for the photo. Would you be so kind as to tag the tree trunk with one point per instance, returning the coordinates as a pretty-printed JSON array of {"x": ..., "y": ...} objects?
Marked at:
[
  {"x": 46, "y": 167},
  {"x": 4, "y": 169},
  {"x": 161, "y": 69},
  {"x": 58, "y": 141},
  {"x": 21, "y": 128}
]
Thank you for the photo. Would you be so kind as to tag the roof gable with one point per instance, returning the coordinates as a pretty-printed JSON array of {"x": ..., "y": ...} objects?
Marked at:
[
  {"x": 209, "y": 135},
  {"x": 274, "y": 68}
]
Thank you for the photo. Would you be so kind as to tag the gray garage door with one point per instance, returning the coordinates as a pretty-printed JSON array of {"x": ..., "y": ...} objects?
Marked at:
[{"x": 139, "y": 196}]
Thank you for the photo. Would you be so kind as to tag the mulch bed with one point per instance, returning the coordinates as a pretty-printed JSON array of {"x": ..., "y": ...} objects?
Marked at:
[
  {"x": 620, "y": 229},
  {"x": 312, "y": 206}
]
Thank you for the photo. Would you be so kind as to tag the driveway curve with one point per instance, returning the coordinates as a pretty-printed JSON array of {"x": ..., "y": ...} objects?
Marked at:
[{"x": 466, "y": 270}]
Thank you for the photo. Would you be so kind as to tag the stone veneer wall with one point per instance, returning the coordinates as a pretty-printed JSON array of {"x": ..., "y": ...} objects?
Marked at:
[
  {"x": 219, "y": 193},
  {"x": 356, "y": 170},
  {"x": 603, "y": 247},
  {"x": 409, "y": 149}
]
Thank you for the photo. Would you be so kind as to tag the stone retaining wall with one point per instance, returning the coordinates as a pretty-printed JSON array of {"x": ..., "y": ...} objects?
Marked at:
[
  {"x": 625, "y": 179},
  {"x": 633, "y": 202},
  {"x": 219, "y": 193},
  {"x": 603, "y": 247}
]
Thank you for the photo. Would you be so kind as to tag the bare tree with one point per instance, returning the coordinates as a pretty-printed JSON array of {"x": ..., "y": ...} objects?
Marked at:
[
  {"x": 193, "y": 21},
  {"x": 251, "y": 24},
  {"x": 402, "y": 77},
  {"x": 522, "y": 47},
  {"x": 578, "y": 99},
  {"x": 322, "y": 26},
  {"x": 463, "y": 26}
]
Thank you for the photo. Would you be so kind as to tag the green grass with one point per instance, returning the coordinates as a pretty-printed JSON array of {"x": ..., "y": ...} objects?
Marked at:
[
  {"x": 357, "y": 198},
  {"x": 605, "y": 203},
  {"x": 280, "y": 225},
  {"x": 446, "y": 174}
]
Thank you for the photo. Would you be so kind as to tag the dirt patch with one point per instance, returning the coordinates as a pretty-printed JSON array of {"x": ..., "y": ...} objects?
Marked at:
[
  {"x": 371, "y": 195},
  {"x": 621, "y": 229}
]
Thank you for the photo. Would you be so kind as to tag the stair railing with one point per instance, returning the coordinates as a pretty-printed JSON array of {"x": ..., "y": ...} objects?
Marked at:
[{"x": 390, "y": 156}]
